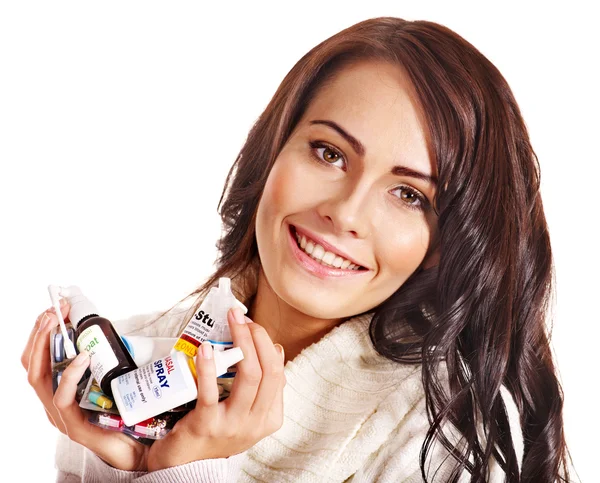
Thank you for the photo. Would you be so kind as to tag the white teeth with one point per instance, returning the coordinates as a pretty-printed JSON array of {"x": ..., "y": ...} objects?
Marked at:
[
  {"x": 319, "y": 253},
  {"x": 309, "y": 247},
  {"x": 303, "y": 242},
  {"x": 337, "y": 262},
  {"x": 328, "y": 258}
]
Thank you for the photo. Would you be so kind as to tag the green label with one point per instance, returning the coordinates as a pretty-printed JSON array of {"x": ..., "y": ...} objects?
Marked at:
[{"x": 94, "y": 342}]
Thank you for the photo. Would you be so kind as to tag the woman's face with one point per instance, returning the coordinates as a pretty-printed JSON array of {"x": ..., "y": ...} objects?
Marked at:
[{"x": 355, "y": 177}]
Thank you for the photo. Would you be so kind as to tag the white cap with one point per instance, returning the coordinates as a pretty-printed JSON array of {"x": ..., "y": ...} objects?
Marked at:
[
  {"x": 225, "y": 359},
  {"x": 222, "y": 300},
  {"x": 81, "y": 307}
]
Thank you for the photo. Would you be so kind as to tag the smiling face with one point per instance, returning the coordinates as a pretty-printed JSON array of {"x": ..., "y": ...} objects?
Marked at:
[{"x": 354, "y": 176}]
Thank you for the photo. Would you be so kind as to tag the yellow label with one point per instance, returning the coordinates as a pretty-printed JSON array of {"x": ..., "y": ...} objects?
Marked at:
[
  {"x": 195, "y": 332},
  {"x": 186, "y": 347}
]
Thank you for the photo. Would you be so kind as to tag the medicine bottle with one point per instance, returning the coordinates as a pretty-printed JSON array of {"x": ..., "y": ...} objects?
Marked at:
[
  {"x": 163, "y": 384},
  {"x": 109, "y": 358},
  {"x": 220, "y": 336}
]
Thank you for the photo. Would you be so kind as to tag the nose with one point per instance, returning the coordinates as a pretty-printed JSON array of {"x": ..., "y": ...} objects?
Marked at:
[{"x": 348, "y": 211}]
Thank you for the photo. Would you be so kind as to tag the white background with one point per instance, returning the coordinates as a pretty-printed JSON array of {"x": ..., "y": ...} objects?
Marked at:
[{"x": 119, "y": 122}]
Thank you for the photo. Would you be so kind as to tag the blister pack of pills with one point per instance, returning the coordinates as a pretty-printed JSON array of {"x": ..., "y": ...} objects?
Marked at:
[{"x": 146, "y": 431}]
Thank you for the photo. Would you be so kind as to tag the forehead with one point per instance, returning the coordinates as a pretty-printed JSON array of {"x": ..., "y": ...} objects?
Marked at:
[{"x": 375, "y": 102}]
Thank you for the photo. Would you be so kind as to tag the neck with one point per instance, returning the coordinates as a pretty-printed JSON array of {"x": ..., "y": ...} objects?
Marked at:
[{"x": 286, "y": 325}]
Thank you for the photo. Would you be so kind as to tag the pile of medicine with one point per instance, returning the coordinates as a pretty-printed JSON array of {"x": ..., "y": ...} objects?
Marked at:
[{"x": 137, "y": 385}]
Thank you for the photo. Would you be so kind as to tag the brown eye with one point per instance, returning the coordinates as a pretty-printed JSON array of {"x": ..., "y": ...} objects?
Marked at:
[
  {"x": 330, "y": 155},
  {"x": 326, "y": 154},
  {"x": 409, "y": 196}
]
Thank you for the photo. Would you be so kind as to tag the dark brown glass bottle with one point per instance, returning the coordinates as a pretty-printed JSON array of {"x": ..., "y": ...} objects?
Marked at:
[
  {"x": 110, "y": 357},
  {"x": 96, "y": 335}
]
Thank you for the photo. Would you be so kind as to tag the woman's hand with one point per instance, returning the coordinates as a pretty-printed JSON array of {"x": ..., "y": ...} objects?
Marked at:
[
  {"x": 63, "y": 411},
  {"x": 253, "y": 410}
]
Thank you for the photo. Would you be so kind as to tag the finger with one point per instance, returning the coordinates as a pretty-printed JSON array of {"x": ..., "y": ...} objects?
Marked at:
[
  {"x": 50, "y": 418},
  {"x": 39, "y": 368},
  {"x": 249, "y": 373},
  {"x": 271, "y": 363},
  {"x": 40, "y": 321},
  {"x": 67, "y": 408},
  {"x": 36, "y": 326},
  {"x": 39, "y": 373},
  {"x": 30, "y": 339},
  {"x": 205, "y": 412},
  {"x": 115, "y": 448}
]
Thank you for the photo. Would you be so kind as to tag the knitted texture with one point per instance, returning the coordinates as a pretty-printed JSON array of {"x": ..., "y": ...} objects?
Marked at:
[{"x": 349, "y": 415}]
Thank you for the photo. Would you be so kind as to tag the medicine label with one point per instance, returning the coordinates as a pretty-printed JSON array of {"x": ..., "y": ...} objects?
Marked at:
[
  {"x": 195, "y": 332},
  {"x": 102, "y": 356},
  {"x": 150, "y": 383}
]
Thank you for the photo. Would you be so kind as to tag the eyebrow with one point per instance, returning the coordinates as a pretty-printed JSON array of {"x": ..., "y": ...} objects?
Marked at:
[{"x": 360, "y": 149}]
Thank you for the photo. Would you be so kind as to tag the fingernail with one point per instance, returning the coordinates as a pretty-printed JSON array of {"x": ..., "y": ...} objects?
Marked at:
[
  {"x": 63, "y": 302},
  {"x": 81, "y": 359},
  {"x": 279, "y": 349},
  {"x": 44, "y": 322},
  {"x": 207, "y": 350},
  {"x": 239, "y": 317}
]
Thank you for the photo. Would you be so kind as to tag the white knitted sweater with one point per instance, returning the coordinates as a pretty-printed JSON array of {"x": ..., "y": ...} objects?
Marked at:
[{"x": 349, "y": 415}]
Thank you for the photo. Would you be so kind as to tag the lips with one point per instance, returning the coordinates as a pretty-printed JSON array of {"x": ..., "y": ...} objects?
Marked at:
[
  {"x": 328, "y": 247},
  {"x": 314, "y": 267}
]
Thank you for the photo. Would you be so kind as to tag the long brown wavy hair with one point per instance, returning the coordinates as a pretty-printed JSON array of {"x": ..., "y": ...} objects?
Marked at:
[{"x": 482, "y": 311}]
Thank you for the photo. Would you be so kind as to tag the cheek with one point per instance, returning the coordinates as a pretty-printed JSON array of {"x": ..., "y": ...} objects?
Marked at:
[
  {"x": 288, "y": 188},
  {"x": 275, "y": 204},
  {"x": 278, "y": 185},
  {"x": 402, "y": 249}
]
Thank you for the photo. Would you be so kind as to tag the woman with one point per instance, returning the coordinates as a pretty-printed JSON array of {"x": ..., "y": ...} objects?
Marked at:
[{"x": 383, "y": 223}]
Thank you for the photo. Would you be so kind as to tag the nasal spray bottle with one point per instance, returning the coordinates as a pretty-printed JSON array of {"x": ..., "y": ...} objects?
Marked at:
[
  {"x": 96, "y": 335},
  {"x": 163, "y": 385},
  {"x": 210, "y": 321},
  {"x": 220, "y": 337}
]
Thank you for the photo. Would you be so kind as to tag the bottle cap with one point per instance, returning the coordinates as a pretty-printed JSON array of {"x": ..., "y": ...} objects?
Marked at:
[
  {"x": 223, "y": 360},
  {"x": 223, "y": 300},
  {"x": 81, "y": 307}
]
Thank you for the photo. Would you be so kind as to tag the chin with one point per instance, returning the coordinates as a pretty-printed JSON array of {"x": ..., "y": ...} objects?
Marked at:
[{"x": 317, "y": 307}]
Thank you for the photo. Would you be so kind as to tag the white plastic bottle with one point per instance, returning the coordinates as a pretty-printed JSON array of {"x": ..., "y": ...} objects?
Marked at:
[
  {"x": 163, "y": 385},
  {"x": 210, "y": 321},
  {"x": 197, "y": 329},
  {"x": 144, "y": 349},
  {"x": 220, "y": 336}
]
